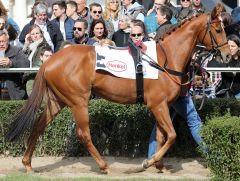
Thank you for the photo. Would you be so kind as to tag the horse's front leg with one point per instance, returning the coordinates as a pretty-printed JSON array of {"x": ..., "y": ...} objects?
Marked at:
[
  {"x": 161, "y": 113},
  {"x": 82, "y": 123}
]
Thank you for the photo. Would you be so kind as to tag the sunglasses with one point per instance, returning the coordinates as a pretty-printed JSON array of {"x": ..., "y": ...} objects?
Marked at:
[
  {"x": 75, "y": 28},
  {"x": 95, "y": 12},
  {"x": 136, "y": 35},
  {"x": 185, "y": 0}
]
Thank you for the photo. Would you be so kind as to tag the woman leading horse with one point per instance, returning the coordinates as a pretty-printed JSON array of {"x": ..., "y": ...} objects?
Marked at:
[{"x": 69, "y": 77}]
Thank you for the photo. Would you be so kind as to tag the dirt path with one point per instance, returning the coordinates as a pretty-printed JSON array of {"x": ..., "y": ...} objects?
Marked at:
[{"x": 58, "y": 167}]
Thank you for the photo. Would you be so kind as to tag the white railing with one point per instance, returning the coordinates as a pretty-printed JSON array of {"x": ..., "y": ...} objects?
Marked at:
[
  {"x": 18, "y": 70},
  {"x": 210, "y": 69}
]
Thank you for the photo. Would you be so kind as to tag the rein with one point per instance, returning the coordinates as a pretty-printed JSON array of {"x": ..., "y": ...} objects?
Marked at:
[{"x": 166, "y": 70}]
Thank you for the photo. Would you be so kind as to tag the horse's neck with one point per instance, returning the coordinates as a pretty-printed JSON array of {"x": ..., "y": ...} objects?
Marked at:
[{"x": 180, "y": 44}]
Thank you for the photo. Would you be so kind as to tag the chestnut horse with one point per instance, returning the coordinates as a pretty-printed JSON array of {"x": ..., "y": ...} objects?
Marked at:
[{"x": 69, "y": 77}]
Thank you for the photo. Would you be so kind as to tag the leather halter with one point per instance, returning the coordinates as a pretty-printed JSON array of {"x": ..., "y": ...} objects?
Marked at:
[{"x": 213, "y": 40}]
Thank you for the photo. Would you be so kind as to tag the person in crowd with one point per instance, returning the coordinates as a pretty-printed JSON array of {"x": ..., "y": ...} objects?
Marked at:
[
  {"x": 82, "y": 9},
  {"x": 111, "y": 12},
  {"x": 138, "y": 35},
  {"x": 12, "y": 57},
  {"x": 107, "y": 42},
  {"x": 97, "y": 32},
  {"x": 146, "y": 4},
  {"x": 44, "y": 54},
  {"x": 64, "y": 22},
  {"x": 34, "y": 42},
  {"x": 150, "y": 20},
  {"x": 97, "y": 13},
  {"x": 185, "y": 10},
  {"x": 3, "y": 22},
  {"x": 231, "y": 81},
  {"x": 198, "y": 7},
  {"x": 235, "y": 14},
  {"x": 3, "y": 12},
  {"x": 12, "y": 33},
  {"x": 80, "y": 32},
  {"x": 71, "y": 10},
  {"x": 164, "y": 15},
  {"x": 133, "y": 9},
  {"x": 184, "y": 105},
  {"x": 121, "y": 36},
  {"x": 51, "y": 31}
]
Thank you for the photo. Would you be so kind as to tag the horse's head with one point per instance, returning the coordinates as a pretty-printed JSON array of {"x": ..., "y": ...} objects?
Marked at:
[{"x": 214, "y": 37}]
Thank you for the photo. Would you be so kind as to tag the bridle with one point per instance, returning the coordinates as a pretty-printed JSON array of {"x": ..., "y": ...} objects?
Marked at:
[{"x": 214, "y": 49}]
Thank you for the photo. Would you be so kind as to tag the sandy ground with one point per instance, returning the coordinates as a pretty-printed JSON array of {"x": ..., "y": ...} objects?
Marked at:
[{"x": 59, "y": 167}]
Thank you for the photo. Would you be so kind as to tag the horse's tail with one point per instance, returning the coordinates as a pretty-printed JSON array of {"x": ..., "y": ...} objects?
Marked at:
[{"x": 25, "y": 119}]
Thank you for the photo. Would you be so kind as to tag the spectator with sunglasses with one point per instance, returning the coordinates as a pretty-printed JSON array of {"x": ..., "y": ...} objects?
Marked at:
[
  {"x": 80, "y": 32},
  {"x": 185, "y": 10},
  {"x": 96, "y": 13}
]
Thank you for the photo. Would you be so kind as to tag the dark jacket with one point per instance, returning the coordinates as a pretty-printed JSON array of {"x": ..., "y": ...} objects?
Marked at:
[
  {"x": 14, "y": 80},
  {"x": 163, "y": 29},
  {"x": 53, "y": 30},
  {"x": 232, "y": 80},
  {"x": 184, "y": 13},
  {"x": 120, "y": 38},
  {"x": 68, "y": 25}
]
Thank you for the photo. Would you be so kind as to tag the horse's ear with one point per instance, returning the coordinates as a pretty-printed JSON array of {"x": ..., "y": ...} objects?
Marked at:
[{"x": 217, "y": 10}]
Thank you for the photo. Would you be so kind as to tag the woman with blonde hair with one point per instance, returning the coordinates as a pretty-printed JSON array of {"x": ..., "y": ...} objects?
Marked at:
[{"x": 111, "y": 12}]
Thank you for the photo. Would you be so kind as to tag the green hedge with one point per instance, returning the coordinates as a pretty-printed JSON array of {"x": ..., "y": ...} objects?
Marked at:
[
  {"x": 117, "y": 130},
  {"x": 222, "y": 135}
]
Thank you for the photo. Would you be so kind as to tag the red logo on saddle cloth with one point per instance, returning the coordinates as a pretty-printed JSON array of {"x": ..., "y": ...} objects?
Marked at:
[{"x": 116, "y": 66}]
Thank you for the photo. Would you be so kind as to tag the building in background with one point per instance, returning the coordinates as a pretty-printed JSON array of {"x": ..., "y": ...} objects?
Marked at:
[{"x": 20, "y": 9}]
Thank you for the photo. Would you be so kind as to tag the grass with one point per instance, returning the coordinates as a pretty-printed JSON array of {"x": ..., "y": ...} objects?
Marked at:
[{"x": 24, "y": 177}]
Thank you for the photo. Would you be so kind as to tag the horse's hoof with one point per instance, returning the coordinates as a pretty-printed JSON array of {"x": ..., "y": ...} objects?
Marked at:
[
  {"x": 105, "y": 171},
  {"x": 29, "y": 170},
  {"x": 164, "y": 168},
  {"x": 145, "y": 164}
]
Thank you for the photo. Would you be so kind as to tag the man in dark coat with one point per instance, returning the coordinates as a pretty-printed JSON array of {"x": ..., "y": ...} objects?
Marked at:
[{"x": 12, "y": 57}]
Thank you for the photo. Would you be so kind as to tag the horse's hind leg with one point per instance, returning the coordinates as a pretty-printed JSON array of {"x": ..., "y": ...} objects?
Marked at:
[
  {"x": 46, "y": 117},
  {"x": 82, "y": 127},
  {"x": 163, "y": 119}
]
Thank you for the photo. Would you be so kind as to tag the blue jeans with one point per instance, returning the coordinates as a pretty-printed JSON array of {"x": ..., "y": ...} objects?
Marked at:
[{"x": 185, "y": 108}]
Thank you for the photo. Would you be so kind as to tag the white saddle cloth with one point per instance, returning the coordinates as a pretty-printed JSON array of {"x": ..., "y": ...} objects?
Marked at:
[{"x": 120, "y": 63}]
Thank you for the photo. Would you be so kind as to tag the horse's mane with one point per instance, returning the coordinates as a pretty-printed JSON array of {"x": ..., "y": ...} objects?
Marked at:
[{"x": 173, "y": 28}]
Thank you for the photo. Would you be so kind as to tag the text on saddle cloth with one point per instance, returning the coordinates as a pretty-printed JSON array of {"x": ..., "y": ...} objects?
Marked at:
[{"x": 120, "y": 63}]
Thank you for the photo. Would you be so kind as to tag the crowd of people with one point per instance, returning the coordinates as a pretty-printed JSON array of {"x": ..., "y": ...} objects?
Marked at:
[{"x": 114, "y": 24}]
